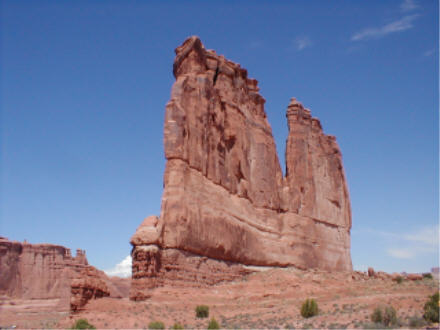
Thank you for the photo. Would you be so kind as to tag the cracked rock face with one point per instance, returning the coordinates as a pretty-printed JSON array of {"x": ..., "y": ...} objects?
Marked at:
[{"x": 225, "y": 199}]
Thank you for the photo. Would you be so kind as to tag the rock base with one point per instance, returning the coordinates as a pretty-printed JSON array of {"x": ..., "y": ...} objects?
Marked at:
[{"x": 154, "y": 267}]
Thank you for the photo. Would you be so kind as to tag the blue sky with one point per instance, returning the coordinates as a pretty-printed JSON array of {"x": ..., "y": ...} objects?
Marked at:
[{"x": 84, "y": 85}]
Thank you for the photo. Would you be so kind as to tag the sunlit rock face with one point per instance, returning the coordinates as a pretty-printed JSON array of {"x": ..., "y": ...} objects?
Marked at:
[{"x": 225, "y": 198}]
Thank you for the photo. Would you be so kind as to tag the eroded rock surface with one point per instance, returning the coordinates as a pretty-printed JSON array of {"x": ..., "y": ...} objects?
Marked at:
[
  {"x": 47, "y": 271},
  {"x": 89, "y": 285},
  {"x": 225, "y": 199}
]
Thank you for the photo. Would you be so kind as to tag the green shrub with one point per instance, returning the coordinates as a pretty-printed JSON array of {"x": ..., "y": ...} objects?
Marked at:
[
  {"x": 82, "y": 324},
  {"x": 177, "y": 326},
  {"x": 427, "y": 275},
  {"x": 431, "y": 308},
  {"x": 213, "y": 324},
  {"x": 202, "y": 311},
  {"x": 386, "y": 316},
  {"x": 377, "y": 316},
  {"x": 309, "y": 308},
  {"x": 156, "y": 325}
]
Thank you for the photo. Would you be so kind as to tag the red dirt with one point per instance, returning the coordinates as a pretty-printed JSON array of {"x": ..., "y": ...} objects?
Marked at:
[{"x": 267, "y": 299}]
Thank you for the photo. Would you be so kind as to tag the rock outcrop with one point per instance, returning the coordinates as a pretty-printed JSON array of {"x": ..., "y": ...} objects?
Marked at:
[
  {"x": 47, "y": 271},
  {"x": 226, "y": 203},
  {"x": 89, "y": 285}
]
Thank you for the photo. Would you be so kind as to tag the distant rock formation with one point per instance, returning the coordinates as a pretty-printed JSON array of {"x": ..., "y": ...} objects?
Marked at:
[
  {"x": 89, "y": 285},
  {"x": 47, "y": 271},
  {"x": 226, "y": 203}
]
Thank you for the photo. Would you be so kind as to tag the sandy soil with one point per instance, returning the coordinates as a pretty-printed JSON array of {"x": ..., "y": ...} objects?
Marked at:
[{"x": 268, "y": 299}]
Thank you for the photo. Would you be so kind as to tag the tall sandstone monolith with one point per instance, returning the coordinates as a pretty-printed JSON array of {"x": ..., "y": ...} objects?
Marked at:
[{"x": 226, "y": 204}]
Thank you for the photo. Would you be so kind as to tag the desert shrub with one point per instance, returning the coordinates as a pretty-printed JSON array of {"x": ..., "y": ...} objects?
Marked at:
[
  {"x": 156, "y": 325},
  {"x": 213, "y": 324},
  {"x": 373, "y": 326},
  {"x": 386, "y": 316},
  {"x": 399, "y": 279},
  {"x": 177, "y": 326},
  {"x": 309, "y": 308},
  {"x": 389, "y": 316},
  {"x": 377, "y": 316},
  {"x": 431, "y": 308},
  {"x": 202, "y": 311},
  {"x": 416, "y": 322},
  {"x": 427, "y": 275},
  {"x": 82, "y": 324}
]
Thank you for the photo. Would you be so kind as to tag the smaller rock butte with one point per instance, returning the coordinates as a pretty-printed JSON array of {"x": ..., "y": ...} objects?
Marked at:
[
  {"x": 226, "y": 204},
  {"x": 48, "y": 271}
]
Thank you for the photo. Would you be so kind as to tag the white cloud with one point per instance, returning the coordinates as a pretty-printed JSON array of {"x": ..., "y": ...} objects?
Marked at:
[
  {"x": 426, "y": 235},
  {"x": 302, "y": 43},
  {"x": 401, "y": 253},
  {"x": 405, "y": 23},
  {"x": 411, "y": 245},
  {"x": 408, "y": 5},
  {"x": 122, "y": 269}
]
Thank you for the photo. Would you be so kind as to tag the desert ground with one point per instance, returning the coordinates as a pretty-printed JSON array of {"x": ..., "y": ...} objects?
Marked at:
[{"x": 270, "y": 298}]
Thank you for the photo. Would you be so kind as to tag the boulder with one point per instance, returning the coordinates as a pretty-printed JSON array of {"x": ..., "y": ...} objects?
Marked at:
[{"x": 414, "y": 277}]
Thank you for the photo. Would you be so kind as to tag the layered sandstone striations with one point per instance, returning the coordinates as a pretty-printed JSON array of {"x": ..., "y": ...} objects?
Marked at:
[
  {"x": 47, "y": 271},
  {"x": 226, "y": 202}
]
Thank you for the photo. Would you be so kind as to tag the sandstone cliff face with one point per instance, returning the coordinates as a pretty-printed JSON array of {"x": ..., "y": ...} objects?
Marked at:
[
  {"x": 224, "y": 196},
  {"x": 47, "y": 271}
]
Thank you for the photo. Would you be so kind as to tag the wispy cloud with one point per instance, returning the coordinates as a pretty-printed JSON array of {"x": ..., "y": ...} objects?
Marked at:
[
  {"x": 410, "y": 245},
  {"x": 426, "y": 235},
  {"x": 302, "y": 43},
  {"x": 122, "y": 269},
  {"x": 408, "y": 5},
  {"x": 255, "y": 44},
  {"x": 429, "y": 52},
  {"x": 403, "y": 24},
  {"x": 410, "y": 251},
  {"x": 400, "y": 253}
]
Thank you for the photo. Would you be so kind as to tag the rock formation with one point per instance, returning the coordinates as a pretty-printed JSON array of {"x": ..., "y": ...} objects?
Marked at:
[
  {"x": 90, "y": 285},
  {"x": 226, "y": 203},
  {"x": 47, "y": 271}
]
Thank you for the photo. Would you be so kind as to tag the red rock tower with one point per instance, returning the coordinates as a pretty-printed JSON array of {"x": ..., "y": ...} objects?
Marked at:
[{"x": 226, "y": 203}]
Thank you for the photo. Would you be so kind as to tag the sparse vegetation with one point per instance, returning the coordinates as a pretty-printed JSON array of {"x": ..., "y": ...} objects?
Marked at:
[
  {"x": 377, "y": 316},
  {"x": 385, "y": 316},
  {"x": 416, "y": 322},
  {"x": 427, "y": 275},
  {"x": 389, "y": 316},
  {"x": 82, "y": 324},
  {"x": 309, "y": 308},
  {"x": 213, "y": 324},
  {"x": 156, "y": 325},
  {"x": 176, "y": 326},
  {"x": 431, "y": 308},
  {"x": 398, "y": 279},
  {"x": 202, "y": 311}
]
